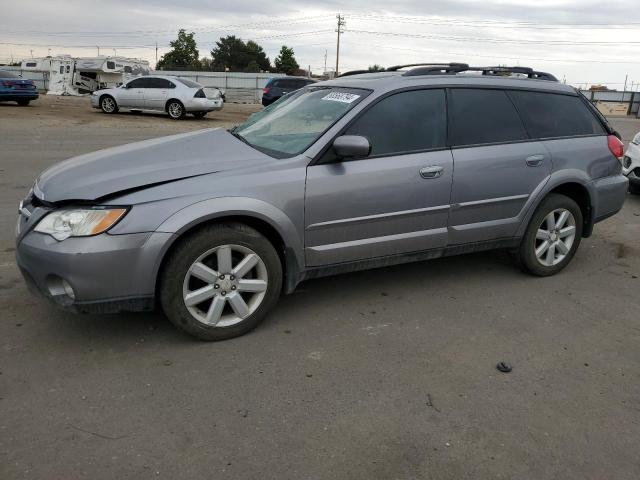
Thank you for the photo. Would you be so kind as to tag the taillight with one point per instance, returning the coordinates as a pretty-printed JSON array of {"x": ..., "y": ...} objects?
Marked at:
[
  {"x": 616, "y": 146},
  {"x": 200, "y": 94},
  {"x": 265, "y": 90},
  {"x": 7, "y": 83}
]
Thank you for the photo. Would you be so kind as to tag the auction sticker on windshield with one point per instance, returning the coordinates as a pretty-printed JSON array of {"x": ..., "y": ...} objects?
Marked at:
[{"x": 341, "y": 97}]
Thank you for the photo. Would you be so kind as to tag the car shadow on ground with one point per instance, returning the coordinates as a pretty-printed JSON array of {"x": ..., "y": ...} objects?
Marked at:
[{"x": 358, "y": 289}]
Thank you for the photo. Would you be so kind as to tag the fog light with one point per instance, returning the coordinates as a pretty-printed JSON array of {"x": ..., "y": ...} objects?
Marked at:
[
  {"x": 60, "y": 290},
  {"x": 68, "y": 289}
]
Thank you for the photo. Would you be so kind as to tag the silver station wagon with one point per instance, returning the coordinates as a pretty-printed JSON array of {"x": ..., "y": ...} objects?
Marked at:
[{"x": 366, "y": 170}]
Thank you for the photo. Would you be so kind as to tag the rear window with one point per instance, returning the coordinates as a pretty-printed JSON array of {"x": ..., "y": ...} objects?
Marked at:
[
  {"x": 5, "y": 74},
  {"x": 189, "y": 83},
  {"x": 548, "y": 115},
  {"x": 479, "y": 116}
]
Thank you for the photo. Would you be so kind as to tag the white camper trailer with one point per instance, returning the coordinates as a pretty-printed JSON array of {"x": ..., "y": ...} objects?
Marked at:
[{"x": 78, "y": 76}]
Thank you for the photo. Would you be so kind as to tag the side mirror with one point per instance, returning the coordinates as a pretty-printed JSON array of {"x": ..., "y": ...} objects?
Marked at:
[{"x": 350, "y": 146}]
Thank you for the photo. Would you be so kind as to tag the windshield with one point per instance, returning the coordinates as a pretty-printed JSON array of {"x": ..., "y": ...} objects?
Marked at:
[{"x": 290, "y": 125}]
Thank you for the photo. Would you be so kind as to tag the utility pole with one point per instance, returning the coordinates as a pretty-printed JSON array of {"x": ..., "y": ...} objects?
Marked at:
[
  {"x": 325, "y": 62},
  {"x": 31, "y": 53},
  {"x": 98, "y": 47},
  {"x": 114, "y": 53},
  {"x": 625, "y": 82},
  {"x": 341, "y": 23},
  {"x": 156, "y": 52}
]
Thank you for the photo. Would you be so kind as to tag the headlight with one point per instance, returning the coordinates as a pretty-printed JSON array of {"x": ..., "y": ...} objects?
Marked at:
[
  {"x": 636, "y": 139},
  {"x": 79, "y": 222}
]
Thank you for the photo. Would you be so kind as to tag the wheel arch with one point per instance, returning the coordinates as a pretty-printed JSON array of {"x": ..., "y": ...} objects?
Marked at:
[
  {"x": 267, "y": 219},
  {"x": 579, "y": 194},
  {"x": 106, "y": 95},
  {"x": 173, "y": 99},
  {"x": 576, "y": 188}
]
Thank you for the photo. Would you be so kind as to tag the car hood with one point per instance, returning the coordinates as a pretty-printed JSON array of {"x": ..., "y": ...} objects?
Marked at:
[{"x": 150, "y": 162}]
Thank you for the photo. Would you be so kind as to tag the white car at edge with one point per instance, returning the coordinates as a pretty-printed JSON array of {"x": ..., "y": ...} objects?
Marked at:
[
  {"x": 155, "y": 93},
  {"x": 631, "y": 164}
]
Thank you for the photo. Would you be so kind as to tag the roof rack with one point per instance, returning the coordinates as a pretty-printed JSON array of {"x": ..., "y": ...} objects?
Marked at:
[
  {"x": 529, "y": 72},
  {"x": 357, "y": 72},
  {"x": 430, "y": 66},
  {"x": 453, "y": 68}
]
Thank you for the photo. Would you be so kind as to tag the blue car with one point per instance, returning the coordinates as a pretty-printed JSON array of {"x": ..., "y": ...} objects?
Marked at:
[{"x": 14, "y": 88}]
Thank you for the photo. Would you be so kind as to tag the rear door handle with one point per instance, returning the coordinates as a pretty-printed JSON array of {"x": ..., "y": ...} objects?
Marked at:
[
  {"x": 535, "y": 160},
  {"x": 433, "y": 171}
]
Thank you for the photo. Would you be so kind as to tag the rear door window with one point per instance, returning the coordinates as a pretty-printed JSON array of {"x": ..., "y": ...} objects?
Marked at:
[
  {"x": 139, "y": 83},
  {"x": 404, "y": 122},
  {"x": 481, "y": 116},
  {"x": 548, "y": 115},
  {"x": 158, "y": 83}
]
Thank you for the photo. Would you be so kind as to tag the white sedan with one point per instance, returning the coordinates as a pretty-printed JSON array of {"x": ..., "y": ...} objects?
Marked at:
[
  {"x": 173, "y": 95},
  {"x": 631, "y": 164}
]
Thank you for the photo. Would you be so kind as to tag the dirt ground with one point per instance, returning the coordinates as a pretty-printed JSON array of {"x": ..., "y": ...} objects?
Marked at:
[
  {"x": 53, "y": 110},
  {"x": 387, "y": 374}
]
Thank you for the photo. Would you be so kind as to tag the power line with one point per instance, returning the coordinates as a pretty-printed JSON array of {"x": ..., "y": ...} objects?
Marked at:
[
  {"x": 468, "y": 54},
  {"x": 476, "y": 22},
  {"x": 491, "y": 40},
  {"x": 195, "y": 29}
]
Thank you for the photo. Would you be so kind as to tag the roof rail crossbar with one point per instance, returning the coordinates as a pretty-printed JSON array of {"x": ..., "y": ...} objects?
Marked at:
[
  {"x": 529, "y": 72},
  {"x": 354, "y": 72},
  {"x": 449, "y": 69},
  {"x": 453, "y": 68},
  {"x": 395, "y": 68}
]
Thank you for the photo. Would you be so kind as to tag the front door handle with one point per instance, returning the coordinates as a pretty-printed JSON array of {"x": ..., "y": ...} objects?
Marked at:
[
  {"x": 433, "y": 171},
  {"x": 535, "y": 160}
]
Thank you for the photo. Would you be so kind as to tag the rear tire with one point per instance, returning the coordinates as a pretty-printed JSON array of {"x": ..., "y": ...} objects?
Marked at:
[
  {"x": 634, "y": 188},
  {"x": 175, "y": 109},
  {"x": 552, "y": 237},
  {"x": 206, "y": 291},
  {"x": 108, "y": 104},
  {"x": 23, "y": 103},
  {"x": 199, "y": 114}
]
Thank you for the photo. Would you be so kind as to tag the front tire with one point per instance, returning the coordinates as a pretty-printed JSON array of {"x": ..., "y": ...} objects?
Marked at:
[
  {"x": 634, "y": 188},
  {"x": 220, "y": 282},
  {"x": 108, "y": 104},
  {"x": 175, "y": 109},
  {"x": 552, "y": 237},
  {"x": 199, "y": 114}
]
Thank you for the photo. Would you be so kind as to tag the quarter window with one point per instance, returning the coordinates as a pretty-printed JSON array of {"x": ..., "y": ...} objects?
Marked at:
[
  {"x": 548, "y": 115},
  {"x": 480, "y": 116},
  {"x": 404, "y": 122}
]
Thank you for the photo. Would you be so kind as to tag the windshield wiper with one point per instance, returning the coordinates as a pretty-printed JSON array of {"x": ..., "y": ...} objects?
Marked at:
[{"x": 240, "y": 137}]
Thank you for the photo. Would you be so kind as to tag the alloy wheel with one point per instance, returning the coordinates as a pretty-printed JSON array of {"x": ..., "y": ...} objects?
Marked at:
[
  {"x": 108, "y": 104},
  {"x": 175, "y": 110},
  {"x": 225, "y": 285},
  {"x": 555, "y": 237}
]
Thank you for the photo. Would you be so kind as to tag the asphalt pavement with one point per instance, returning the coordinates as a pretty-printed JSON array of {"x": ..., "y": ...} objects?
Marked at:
[{"x": 386, "y": 374}]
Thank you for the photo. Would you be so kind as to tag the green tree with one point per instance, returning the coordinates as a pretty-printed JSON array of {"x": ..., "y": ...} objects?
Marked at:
[
  {"x": 183, "y": 54},
  {"x": 285, "y": 62},
  {"x": 256, "y": 54},
  {"x": 233, "y": 54},
  {"x": 376, "y": 68}
]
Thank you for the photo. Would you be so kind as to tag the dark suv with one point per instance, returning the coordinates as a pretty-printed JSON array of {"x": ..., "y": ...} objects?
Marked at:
[{"x": 277, "y": 87}]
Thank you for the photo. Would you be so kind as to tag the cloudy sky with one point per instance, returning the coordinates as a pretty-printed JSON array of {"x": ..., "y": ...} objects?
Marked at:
[{"x": 584, "y": 41}]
